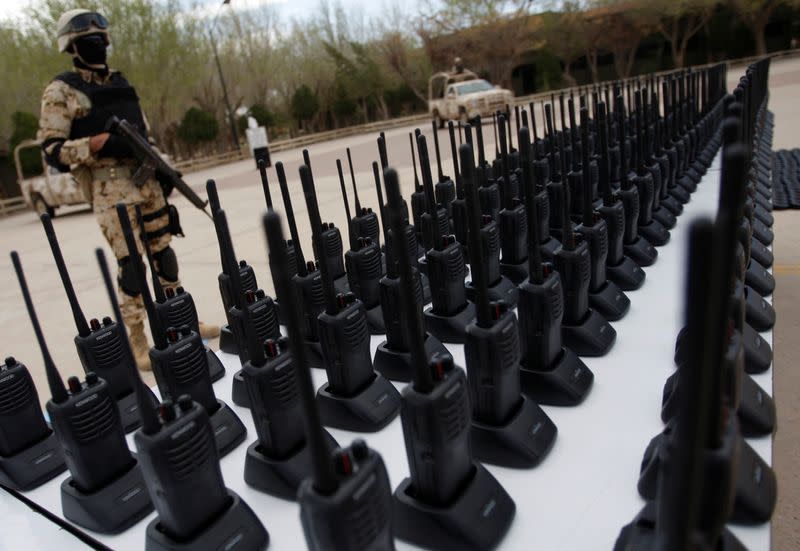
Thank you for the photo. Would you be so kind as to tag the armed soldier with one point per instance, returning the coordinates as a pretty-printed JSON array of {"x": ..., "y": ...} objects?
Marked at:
[{"x": 76, "y": 108}]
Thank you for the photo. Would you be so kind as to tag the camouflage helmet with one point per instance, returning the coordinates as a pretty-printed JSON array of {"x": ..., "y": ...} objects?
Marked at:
[{"x": 75, "y": 23}]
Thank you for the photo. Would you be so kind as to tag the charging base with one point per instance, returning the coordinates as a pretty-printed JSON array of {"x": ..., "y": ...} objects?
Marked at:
[
  {"x": 517, "y": 273},
  {"x": 128, "y": 408},
  {"x": 761, "y": 253},
  {"x": 641, "y": 251},
  {"x": 227, "y": 342},
  {"x": 759, "y": 313},
  {"x": 478, "y": 518},
  {"x": 228, "y": 429},
  {"x": 503, "y": 289},
  {"x": 279, "y": 477},
  {"x": 111, "y": 509},
  {"x": 521, "y": 443},
  {"x": 239, "y": 390},
  {"x": 628, "y": 275},
  {"x": 762, "y": 232},
  {"x": 237, "y": 528},
  {"x": 369, "y": 410},
  {"x": 759, "y": 279},
  {"x": 754, "y": 481},
  {"x": 566, "y": 383},
  {"x": 609, "y": 301},
  {"x": 640, "y": 534},
  {"x": 396, "y": 365},
  {"x": 549, "y": 248},
  {"x": 757, "y": 352},
  {"x": 593, "y": 336},
  {"x": 374, "y": 317},
  {"x": 33, "y": 466},
  {"x": 450, "y": 328},
  {"x": 672, "y": 204},
  {"x": 655, "y": 233},
  {"x": 680, "y": 194},
  {"x": 664, "y": 217},
  {"x": 756, "y": 410},
  {"x": 215, "y": 368}
]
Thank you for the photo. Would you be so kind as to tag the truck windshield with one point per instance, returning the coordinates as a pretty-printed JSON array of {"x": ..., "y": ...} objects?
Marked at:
[{"x": 473, "y": 86}]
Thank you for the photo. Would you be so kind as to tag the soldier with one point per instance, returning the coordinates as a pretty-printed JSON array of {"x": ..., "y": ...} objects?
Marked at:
[{"x": 75, "y": 108}]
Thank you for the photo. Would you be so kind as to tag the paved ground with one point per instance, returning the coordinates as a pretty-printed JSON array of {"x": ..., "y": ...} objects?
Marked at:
[{"x": 242, "y": 198}]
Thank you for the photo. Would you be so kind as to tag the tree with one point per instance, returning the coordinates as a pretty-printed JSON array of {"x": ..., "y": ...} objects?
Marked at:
[
  {"x": 756, "y": 14},
  {"x": 198, "y": 126},
  {"x": 677, "y": 21},
  {"x": 562, "y": 36},
  {"x": 305, "y": 104},
  {"x": 622, "y": 32}
]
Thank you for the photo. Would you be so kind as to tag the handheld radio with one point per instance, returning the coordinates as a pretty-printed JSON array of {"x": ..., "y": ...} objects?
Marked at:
[
  {"x": 489, "y": 191},
  {"x": 511, "y": 219},
  {"x": 365, "y": 222}
]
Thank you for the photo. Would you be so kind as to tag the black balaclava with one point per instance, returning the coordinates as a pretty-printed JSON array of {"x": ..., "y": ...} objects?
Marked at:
[{"x": 91, "y": 52}]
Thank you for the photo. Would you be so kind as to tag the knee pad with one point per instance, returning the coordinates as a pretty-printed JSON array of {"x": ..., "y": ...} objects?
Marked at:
[
  {"x": 166, "y": 263},
  {"x": 127, "y": 279}
]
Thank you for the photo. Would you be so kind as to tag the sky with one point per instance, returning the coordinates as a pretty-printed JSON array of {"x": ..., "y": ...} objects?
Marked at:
[{"x": 285, "y": 8}]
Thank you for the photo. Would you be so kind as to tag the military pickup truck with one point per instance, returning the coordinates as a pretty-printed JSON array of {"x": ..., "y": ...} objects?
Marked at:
[
  {"x": 461, "y": 95},
  {"x": 50, "y": 190}
]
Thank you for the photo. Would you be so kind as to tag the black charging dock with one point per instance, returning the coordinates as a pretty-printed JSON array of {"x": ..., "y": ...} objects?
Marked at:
[
  {"x": 504, "y": 289},
  {"x": 477, "y": 519},
  {"x": 628, "y": 275},
  {"x": 609, "y": 301},
  {"x": 517, "y": 273},
  {"x": 759, "y": 279},
  {"x": 755, "y": 484},
  {"x": 228, "y": 429},
  {"x": 757, "y": 351},
  {"x": 215, "y": 368},
  {"x": 640, "y": 534},
  {"x": 111, "y": 509},
  {"x": 759, "y": 313},
  {"x": 521, "y": 442},
  {"x": 280, "y": 477},
  {"x": 450, "y": 328},
  {"x": 239, "y": 390},
  {"x": 396, "y": 365},
  {"x": 371, "y": 409},
  {"x": 566, "y": 383},
  {"x": 592, "y": 337},
  {"x": 374, "y": 317},
  {"x": 641, "y": 251},
  {"x": 227, "y": 342},
  {"x": 237, "y": 528},
  {"x": 33, "y": 466}
]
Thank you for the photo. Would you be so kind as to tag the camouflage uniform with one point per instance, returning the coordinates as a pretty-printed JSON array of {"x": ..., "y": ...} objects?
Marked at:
[{"x": 105, "y": 182}]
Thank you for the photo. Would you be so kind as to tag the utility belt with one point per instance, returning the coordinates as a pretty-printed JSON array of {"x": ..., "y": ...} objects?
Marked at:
[{"x": 173, "y": 217}]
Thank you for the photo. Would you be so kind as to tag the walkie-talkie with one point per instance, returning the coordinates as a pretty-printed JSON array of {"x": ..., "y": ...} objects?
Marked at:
[
  {"x": 445, "y": 188},
  {"x": 660, "y": 213},
  {"x": 87, "y": 425},
  {"x": 384, "y": 158},
  {"x": 449, "y": 501},
  {"x": 30, "y": 454},
  {"x": 355, "y": 397},
  {"x": 260, "y": 322},
  {"x": 306, "y": 283},
  {"x": 419, "y": 204},
  {"x": 364, "y": 267},
  {"x": 364, "y": 222},
  {"x": 175, "y": 307},
  {"x": 575, "y": 176},
  {"x": 489, "y": 192},
  {"x": 635, "y": 246},
  {"x": 604, "y": 295},
  {"x": 550, "y": 373},
  {"x": 179, "y": 358},
  {"x": 507, "y": 428},
  {"x": 346, "y": 487},
  {"x": 448, "y": 317},
  {"x": 665, "y": 156},
  {"x": 620, "y": 268},
  {"x": 100, "y": 347},
  {"x": 434, "y": 212},
  {"x": 511, "y": 219},
  {"x": 585, "y": 331},
  {"x": 458, "y": 206}
]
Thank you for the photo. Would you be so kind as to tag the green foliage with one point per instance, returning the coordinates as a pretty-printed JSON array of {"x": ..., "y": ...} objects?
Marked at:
[
  {"x": 24, "y": 127},
  {"x": 263, "y": 116},
  {"x": 305, "y": 104},
  {"x": 198, "y": 126}
]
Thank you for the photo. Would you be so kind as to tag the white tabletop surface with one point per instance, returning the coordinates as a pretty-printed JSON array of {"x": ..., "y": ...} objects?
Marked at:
[{"x": 581, "y": 494}]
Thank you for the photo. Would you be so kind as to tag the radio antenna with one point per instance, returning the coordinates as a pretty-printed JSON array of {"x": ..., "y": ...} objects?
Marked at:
[
  {"x": 454, "y": 153},
  {"x": 302, "y": 269},
  {"x": 262, "y": 169},
  {"x": 310, "y": 193},
  {"x": 417, "y": 185},
  {"x": 157, "y": 287},
  {"x": 353, "y": 181},
  {"x": 54, "y": 381},
  {"x": 77, "y": 313},
  {"x": 439, "y": 172},
  {"x": 350, "y": 233},
  {"x": 474, "y": 239}
]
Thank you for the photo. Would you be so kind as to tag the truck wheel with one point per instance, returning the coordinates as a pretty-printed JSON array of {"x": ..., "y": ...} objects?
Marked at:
[
  {"x": 462, "y": 116},
  {"x": 438, "y": 119},
  {"x": 41, "y": 207}
]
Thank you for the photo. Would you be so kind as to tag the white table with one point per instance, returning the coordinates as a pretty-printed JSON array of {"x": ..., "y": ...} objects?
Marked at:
[{"x": 581, "y": 494}]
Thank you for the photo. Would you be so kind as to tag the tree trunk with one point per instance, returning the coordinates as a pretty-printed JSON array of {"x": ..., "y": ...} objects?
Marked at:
[
  {"x": 568, "y": 75},
  {"x": 758, "y": 34}
]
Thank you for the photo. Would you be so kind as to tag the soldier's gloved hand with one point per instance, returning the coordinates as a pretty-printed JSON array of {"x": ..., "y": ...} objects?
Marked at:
[{"x": 115, "y": 148}]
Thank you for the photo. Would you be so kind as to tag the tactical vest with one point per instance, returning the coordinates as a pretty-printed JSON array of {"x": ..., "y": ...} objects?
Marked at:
[{"x": 115, "y": 97}]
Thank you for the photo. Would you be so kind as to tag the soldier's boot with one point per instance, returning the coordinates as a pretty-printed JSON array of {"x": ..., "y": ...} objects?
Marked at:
[
  {"x": 140, "y": 347},
  {"x": 209, "y": 330}
]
